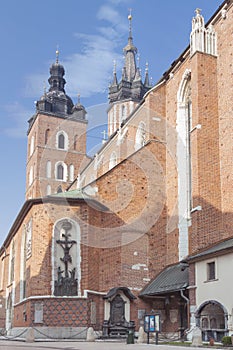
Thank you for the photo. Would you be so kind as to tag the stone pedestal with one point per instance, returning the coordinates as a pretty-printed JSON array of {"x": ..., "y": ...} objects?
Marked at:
[
  {"x": 90, "y": 335},
  {"x": 30, "y": 336},
  {"x": 197, "y": 337},
  {"x": 142, "y": 336}
]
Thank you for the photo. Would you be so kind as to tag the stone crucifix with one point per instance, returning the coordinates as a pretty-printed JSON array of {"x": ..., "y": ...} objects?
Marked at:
[{"x": 66, "y": 245}]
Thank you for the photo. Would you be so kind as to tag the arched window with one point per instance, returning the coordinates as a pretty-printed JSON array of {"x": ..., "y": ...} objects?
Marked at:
[
  {"x": 46, "y": 138},
  {"x": 184, "y": 159},
  {"x": 140, "y": 136},
  {"x": 62, "y": 140},
  {"x": 59, "y": 189},
  {"x": 31, "y": 176},
  {"x": 23, "y": 259},
  {"x": 75, "y": 142},
  {"x": 48, "y": 169},
  {"x": 71, "y": 173},
  {"x": 212, "y": 318},
  {"x": 32, "y": 145},
  {"x": 122, "y": 114},
  {"x": 60, "y": 172},
  {"x": 113, "y": 160},
  {"x": 12, "y": 263}
]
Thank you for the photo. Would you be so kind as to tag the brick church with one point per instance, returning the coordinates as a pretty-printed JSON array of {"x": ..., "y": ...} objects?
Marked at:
[{"x": 143, "y": 227}]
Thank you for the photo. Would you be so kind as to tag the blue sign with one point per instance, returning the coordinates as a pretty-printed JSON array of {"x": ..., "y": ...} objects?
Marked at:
[{"x": 152, "y": 323}]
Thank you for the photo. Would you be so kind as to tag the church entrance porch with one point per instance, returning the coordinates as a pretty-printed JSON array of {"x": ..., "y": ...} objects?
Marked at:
[{"x": 212, "y": 319}]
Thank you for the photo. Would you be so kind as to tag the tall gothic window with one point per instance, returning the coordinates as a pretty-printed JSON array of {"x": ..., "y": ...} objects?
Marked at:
[
  {"x": 75, "y": 142},
  {"x": 61, "y": 141},
  {"x": 184, "y": 161},
  {"x": 32, "y": 145},
  {"x": 12, "y": 263},
  {"x": 71, "y": 172},
  {"x": 48, "y": 169},
  {"x": 23, "y": 259},
  {"x": 47, "y": 133},
  {"x": 140, "y": 138},
  {"x": 60, "y": 172}
]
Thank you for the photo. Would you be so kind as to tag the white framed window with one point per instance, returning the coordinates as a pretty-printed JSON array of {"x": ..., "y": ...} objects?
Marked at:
[
  {"x": 32, "y": 145},
  {"x": 48, "y": 169},
  {"x": 62, "y": 140},
  {"x": 140, "y": 138},
  {"x": 71, "y": 172},
  {"x": 31, "y": 175},
  {"x": 61, "y": 171}
]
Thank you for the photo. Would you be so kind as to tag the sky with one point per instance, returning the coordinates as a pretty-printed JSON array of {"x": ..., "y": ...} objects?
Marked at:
[{"x": 90, "y": 35}]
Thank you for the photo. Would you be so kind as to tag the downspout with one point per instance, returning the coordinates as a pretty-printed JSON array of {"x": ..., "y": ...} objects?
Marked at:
[{"x": 187, "y": 302}]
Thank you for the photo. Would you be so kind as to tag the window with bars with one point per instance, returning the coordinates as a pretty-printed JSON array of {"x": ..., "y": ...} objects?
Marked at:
[{"x": 211, "y": 271}]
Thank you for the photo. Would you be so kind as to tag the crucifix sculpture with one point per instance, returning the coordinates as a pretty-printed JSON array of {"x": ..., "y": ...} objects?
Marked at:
[{"x": 66, "y": 285}]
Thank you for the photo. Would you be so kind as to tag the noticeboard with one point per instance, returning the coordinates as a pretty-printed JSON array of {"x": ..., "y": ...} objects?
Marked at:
[{"x": 152, "y": 323}]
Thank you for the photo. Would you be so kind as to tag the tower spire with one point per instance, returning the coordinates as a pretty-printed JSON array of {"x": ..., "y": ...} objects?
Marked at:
[
  {"x": 130, "y": 53},
  {"x": 57, "y": 55}
]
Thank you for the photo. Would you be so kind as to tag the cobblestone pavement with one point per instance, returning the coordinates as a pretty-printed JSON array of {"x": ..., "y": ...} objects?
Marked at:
[{"x": 98, "y": 345}]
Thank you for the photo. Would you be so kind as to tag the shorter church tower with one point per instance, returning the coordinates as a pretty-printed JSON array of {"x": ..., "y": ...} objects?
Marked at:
[
  {"x": 56, "y": 139},
  {"x": 126, "y": 95}
]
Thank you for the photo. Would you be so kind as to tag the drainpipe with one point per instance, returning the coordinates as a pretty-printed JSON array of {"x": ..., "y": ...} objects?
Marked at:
[{"x": 187, "y": 301}]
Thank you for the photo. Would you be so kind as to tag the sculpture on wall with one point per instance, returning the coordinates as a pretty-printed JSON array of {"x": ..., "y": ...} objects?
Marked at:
[{"x": 66, "y": 283}]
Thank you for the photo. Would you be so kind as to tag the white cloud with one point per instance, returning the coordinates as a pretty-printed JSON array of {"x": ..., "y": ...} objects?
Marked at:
[{"x": 89, "y": 71}]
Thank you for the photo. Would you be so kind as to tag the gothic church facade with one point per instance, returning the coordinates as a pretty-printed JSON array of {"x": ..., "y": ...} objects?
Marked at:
[{"x": 101, "y": 242}]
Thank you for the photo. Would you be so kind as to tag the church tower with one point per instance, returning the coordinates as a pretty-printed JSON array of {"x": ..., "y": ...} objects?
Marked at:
[
  {"x": 126, "y": 95},
  {"x": 56, "y": 139}
]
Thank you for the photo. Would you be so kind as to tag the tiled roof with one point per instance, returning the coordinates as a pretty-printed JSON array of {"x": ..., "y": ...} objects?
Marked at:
[
  {"x": 224, "y": 245},
  {"x": 171, "y": 279}
]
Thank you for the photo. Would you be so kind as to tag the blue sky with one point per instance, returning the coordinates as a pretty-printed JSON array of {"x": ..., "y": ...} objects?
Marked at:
[{"x": 90, "y": 35}]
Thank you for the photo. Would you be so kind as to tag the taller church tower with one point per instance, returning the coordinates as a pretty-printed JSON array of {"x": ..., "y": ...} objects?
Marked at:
[
  {"x": 126, "y": 95},
  {"x": 56, "y": 139}
]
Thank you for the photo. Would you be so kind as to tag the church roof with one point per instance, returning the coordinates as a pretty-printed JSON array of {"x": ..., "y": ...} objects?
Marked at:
[
  {"x": 68, "y": 197},
  {"x": 224, "y": 246},
  {"x": 76, "y": 194},
  {"x": 171, "y": 279}
]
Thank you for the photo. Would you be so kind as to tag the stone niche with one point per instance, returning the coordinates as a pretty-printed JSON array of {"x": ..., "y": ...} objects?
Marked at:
[{"x": 117, "y": 321}]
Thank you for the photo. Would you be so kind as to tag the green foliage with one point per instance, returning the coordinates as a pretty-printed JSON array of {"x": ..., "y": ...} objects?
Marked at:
[{"x": 226, "y": 340}]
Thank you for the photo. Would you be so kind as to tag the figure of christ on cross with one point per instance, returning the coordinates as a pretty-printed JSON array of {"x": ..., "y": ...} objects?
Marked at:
[{"x": 66, "y": 245}]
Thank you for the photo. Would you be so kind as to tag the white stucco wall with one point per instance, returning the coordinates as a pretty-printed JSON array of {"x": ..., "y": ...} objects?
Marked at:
[{"x": 220, "y": 289}]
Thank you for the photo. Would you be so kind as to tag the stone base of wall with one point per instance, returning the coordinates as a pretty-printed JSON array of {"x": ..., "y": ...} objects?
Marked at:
[{"x": 51, "y": 333}]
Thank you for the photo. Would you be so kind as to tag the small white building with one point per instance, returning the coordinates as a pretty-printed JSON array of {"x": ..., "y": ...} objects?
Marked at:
[{"x": 211, "y": 290}]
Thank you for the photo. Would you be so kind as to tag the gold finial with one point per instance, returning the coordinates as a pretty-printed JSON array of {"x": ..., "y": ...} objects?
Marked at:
[
  {"x": 198, "y": 11},
  {"x": 57, "y": 55},
  {"x": 130, "y": 20},
  {"x": 130, "y": 15}
]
